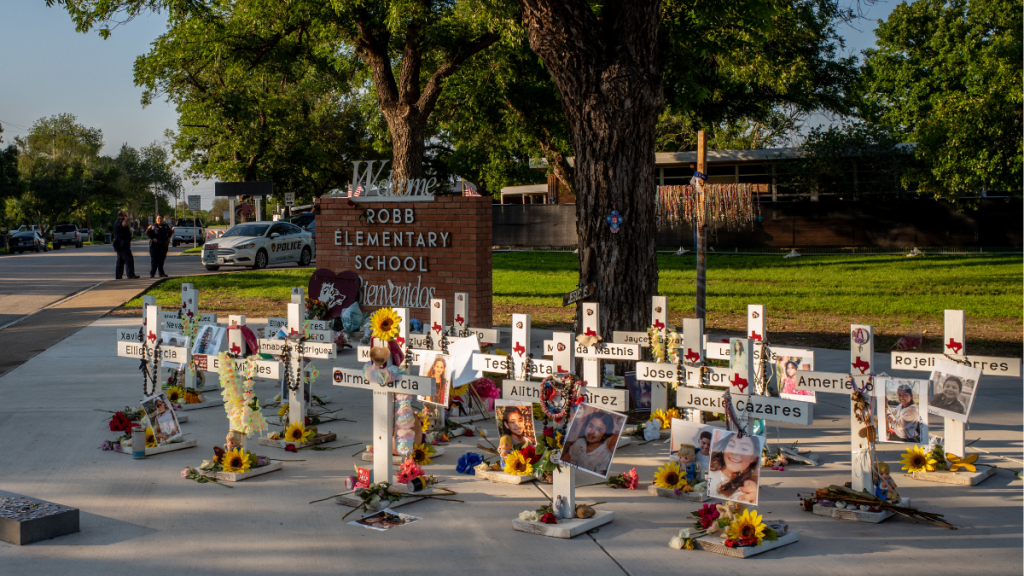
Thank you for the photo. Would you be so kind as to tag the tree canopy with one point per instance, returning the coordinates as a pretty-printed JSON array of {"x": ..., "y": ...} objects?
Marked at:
[{"x": 946, "y": 76}]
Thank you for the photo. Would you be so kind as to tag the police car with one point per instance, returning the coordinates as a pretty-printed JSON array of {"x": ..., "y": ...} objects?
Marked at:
[{"x": 259, "y": 244}]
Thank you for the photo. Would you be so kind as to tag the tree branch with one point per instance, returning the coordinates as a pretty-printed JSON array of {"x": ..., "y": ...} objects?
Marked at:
[{"x": 449, "y": 67}]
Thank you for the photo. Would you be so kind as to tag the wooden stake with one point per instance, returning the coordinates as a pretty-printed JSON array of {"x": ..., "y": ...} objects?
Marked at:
[{"x": 702, "y": 233}]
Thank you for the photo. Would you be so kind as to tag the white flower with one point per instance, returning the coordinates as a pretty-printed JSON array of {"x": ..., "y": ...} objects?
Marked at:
[{"x": 529, "y": 516}]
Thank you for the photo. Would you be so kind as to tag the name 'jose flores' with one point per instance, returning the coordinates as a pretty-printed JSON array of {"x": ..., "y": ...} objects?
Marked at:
[{"x": 389, "y": 239}]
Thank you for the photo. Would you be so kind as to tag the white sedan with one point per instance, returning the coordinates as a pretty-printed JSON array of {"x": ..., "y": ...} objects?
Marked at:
[{"x": 259, "y": 244}]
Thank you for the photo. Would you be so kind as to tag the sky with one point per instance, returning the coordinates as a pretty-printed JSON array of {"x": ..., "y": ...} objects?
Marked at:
[{"x": 47, "y": 68}]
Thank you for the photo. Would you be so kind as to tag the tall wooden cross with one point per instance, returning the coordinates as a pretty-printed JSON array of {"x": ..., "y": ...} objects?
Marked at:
[
  {"x": 383, "y": 404},
  {"x": 128, "y": 346},
  {"x": 175, "y": 321},
  {"x": 237, "y": 347}
]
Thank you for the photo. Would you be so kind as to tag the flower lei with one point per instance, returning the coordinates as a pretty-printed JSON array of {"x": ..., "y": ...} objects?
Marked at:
[
  {"x": 664, "y": 348},
  {"x": 240, "y": 404},
  {"x": 566, "y": 387}
]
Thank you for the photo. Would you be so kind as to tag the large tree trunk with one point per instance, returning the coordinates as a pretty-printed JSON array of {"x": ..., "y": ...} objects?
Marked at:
[
  {"x": 407, "y": 131},
  {"x": 608, "y": 72}
]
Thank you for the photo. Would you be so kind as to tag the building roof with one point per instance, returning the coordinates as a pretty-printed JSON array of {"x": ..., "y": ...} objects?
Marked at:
[
  {"x": 527, "y": 189},
  {"x": 665, "y": 159}
]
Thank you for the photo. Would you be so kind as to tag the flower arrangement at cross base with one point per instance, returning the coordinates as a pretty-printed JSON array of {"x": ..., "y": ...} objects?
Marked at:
[
  {"x": 739, "y": 527},
  {"x": 123, "y": 421},
  {"x": 917, "y": 460}
]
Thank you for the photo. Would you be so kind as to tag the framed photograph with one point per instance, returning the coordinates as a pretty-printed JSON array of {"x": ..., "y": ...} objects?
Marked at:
[
  {"x": 695, "y": 434},
  {"x": 173, "y": 339},
  {"x": 162, "y": 418},
  {"x": 384, "y": 520},
  {"x": 515, "y": 419},
  {"x": 902, "y": 410},
  {"x": 208, "y": 339},
  {"x": 786, "y": 368},
  {"x": 735, "y": 466},
  {"x": 953, "y": 389},
  {"x": 639, "y": 392},
  {"x": 591, "y": 439},
  {"x": 437, "y": 366}
]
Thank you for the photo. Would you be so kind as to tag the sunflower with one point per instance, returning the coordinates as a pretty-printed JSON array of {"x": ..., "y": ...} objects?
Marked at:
[
  {"x": 150, "y": 438},
  {"x": 663, "y": 418},
  {"x": 917, "y": 460},
  {"x": 175, "y": 394},
  {"x": 670, "y": 477},
  {"x": 967, "y": 463},
  {"x": 296, "y": 432},
  {"x": 235, "y": 461},
  {"x": 282, "y": 410},
  {"x": 421, "y": 454},
  {"x": 517, "y": 464},
  {"x": 384, "y": 323},
  {"x": 746, "y": 526}
]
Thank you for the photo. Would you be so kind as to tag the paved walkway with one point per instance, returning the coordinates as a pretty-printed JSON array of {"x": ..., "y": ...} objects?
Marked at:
[{"x": 141, "y": 517}]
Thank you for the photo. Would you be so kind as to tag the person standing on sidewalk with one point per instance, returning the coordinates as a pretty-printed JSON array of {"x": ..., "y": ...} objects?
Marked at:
[
  {"x": 122, "y": 236},
  {"x": 159, "y": 239}
]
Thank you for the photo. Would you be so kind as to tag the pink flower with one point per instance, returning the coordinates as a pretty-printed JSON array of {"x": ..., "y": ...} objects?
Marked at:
[
  {"x": 409, "y": 470},
  {"x": 632, "y": 479}
]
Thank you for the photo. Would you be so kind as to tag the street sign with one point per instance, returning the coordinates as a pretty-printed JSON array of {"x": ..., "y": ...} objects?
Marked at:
[
  {"x": 194, "y": 203},
  {"x": 289, "y": 199}
]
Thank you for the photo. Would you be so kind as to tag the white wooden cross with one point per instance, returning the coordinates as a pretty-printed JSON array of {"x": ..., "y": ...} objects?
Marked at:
[
  {"x": 954, "y": 344},
  {"x": 237, "y": 346},
  {"x": 128, "y": 345},
  {"x": 461, "y": 327},
  {"x": 383, "y": 404},
  {"x": 862, "y": 348},
  {"x": 319, "y": 344},
  {"x": 659, "y": 319},
  {"x": 174, "y": 321}
]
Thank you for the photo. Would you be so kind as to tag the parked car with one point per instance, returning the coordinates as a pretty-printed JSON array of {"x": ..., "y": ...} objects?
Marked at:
[
  {"x": 259, "y": 244},
  {"x": 188, "y": 231},
  {"x": 302, "y": 220},
  {"x": 67, "y": 235},
  {"x": 25, "y": 228},
  {"x": 31, "y": 240}
]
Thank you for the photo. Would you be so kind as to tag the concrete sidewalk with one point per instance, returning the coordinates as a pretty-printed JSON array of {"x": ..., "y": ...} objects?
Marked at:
[{"x": 141, "y": 517}]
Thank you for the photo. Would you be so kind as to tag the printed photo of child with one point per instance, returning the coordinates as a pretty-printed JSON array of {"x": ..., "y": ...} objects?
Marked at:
[
  {"x": 591, "y": 439},
  {"x": 735, "y": 466}
]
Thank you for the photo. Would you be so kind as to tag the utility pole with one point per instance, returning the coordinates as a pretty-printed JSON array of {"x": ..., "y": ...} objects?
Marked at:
[{"x": 702, "y": 232}]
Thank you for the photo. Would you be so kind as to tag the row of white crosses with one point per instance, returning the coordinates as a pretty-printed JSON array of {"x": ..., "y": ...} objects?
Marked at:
[
  {"x": 383, "y": 401},
  {"x": 954, "y": 349}
]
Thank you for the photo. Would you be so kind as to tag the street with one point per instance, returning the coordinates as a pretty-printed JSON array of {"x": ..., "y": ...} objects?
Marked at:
[{"x": 31, "y": 281}]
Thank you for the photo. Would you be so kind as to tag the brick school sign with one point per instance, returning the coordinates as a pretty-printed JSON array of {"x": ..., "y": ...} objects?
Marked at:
[{"x": 411, "y": 251}]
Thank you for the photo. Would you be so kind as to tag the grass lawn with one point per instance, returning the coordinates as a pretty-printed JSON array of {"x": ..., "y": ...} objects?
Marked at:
[{"x": 811, "y": 300}]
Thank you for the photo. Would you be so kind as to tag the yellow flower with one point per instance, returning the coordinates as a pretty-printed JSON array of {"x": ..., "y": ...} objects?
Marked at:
[
  {"x": 191, "y": 398},
  {"x": 421, "y": 454},
  {"x": 426, "y": 421},
  {"x": 384, "y": 323},
  {"x": 917, "y": 460},
  {"x": 150, "y": 438},
  {"x": 688, "y": 544},
  {"x": 517, "y": 464},
  {"x": 967, "y": 463},
  {"x": 295, "y": 432},
  {"x": 665, "y": 418},
  {"x": 282, "y": 410},
  {"x": 670, "y": 477},
  {"x": 175, "y": 394},
  {"x": 747, "y": 525},
  {"x": 235, "y": 461}
]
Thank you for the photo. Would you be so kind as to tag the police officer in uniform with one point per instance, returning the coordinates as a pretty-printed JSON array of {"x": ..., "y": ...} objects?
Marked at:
[
  {"x": 122, "y": 237},
  {"x": 159, "y": 239}
]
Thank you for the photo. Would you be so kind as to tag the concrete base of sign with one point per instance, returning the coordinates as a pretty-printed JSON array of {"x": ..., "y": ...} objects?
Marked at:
[
  {"x": 207, "y": 404},
  {"x": 318, "y": 439},
  {"x": 239, "y": 476},
  {"x": 26, "y": 520},
  {"x": 566, "y": 528},
  {"x": 160, "y": 449},
  {"x": 717, "y": 545},
  {"x": 666, "y": 493},
  {"x": 856, "y": 515},
  {"x": 958, "y": 478},
  {"x": 500, "y": 477},
  {"x": 397, "y": 460}
]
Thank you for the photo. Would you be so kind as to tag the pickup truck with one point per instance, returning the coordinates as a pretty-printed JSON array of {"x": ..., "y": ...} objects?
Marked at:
[
  {"x": 67, "y": 235},
  {"x": 185, "y": 231}
]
